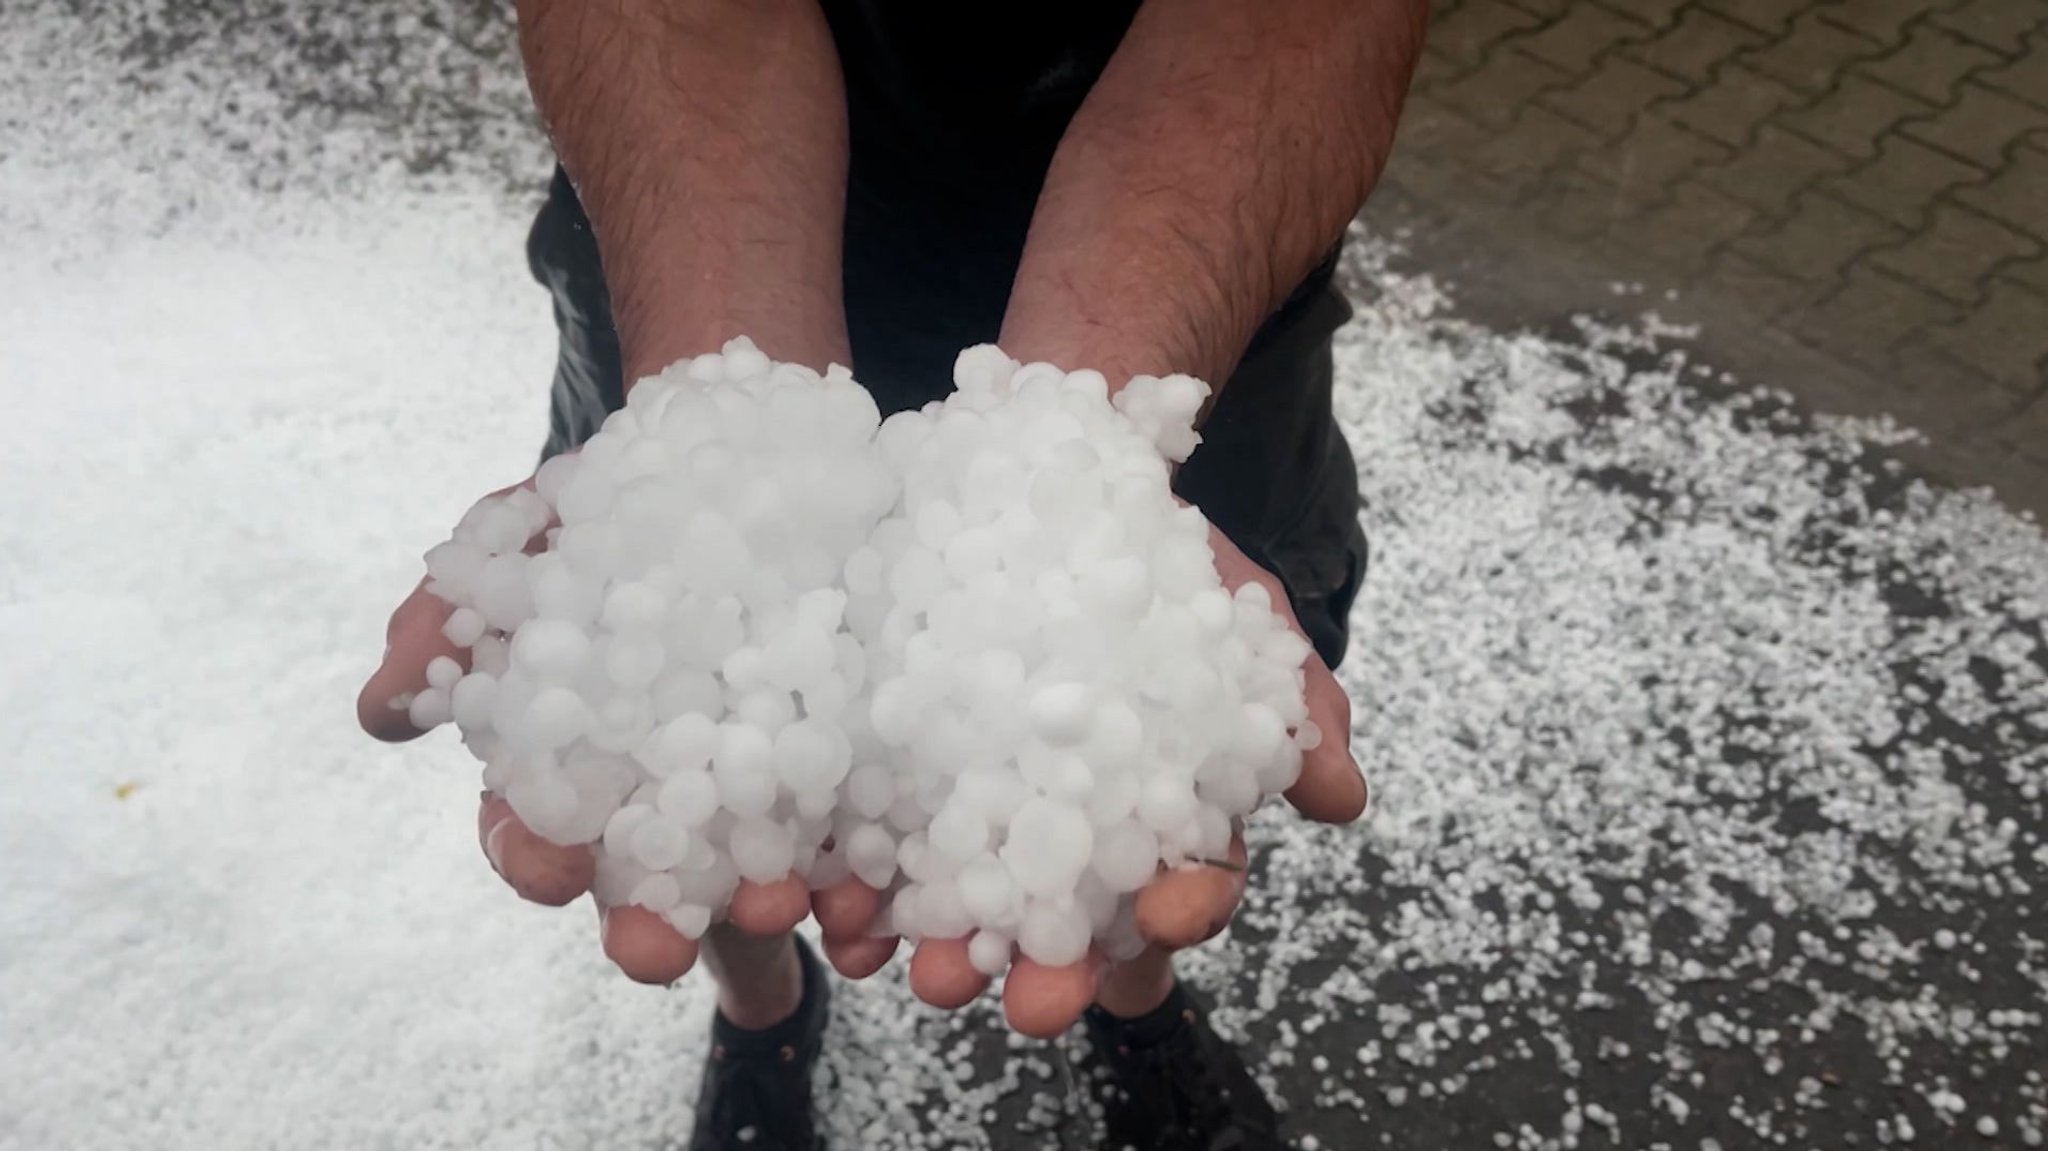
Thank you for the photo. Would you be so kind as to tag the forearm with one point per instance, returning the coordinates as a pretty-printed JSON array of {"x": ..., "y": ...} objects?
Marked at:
[
  {"x": 1221, "y": 154},
  {"x": 707, "y": 142}
]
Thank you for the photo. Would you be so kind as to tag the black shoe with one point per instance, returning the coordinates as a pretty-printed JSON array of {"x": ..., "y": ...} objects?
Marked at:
[
  {"x": 1175, "y": 1085},
  {"x": 757, "y": 1084}
]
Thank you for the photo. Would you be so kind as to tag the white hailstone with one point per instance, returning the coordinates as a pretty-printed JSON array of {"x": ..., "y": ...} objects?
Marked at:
[
  {"x": 762, "y": 850},
  {"x": 1098, "y": 902},
  {"x": 429, "y": 709},
  {"x": 560, "y": 592},
  {"x": 864, "y": 572},
  {"x": 871, "y": 790},
  {"x": 744, "y": 668},
  {"x": 1058, "y": 775},
  {"x": 989, "y": 952},
  {"x": 1166, "y": 802},
  {"x": 893, "y": 712},
  {"x": 1048, "y": 847},
  {"x": 552, "y": 650},
  {"x": 555, "y": 718},
  {"x": 501, "y": 592},
  {"x": 587, "y": 495},
  {"x": 994, "y": 795},
  {"x": 986, "y": 890},
  {"x": 1116, "y": 739},
  {"x": 711, "y": 885},
  {"x": 658, "y": 892},
  {"x": 825, "y": 868},
  {"x": 1055, "y": 932},
  {"x": 742, "y": 769},
  {"x": 659, "y": 843},
  {"x": 941, "y": 912},
  {"x": 471, "y": 699},
  {"x": 766, "y": 709},
  {"x": 1061, "y": 713},
  {"x": 1308, "y": 736},
  {"x": 619, "y": 828},
  {"x": 1211, "y": 609},
  {"x": 543, "y": 801},
  {"x": 443, "y": 672},
  {"x": 690, "y": 920},
  {"x": 908, "y": 814},
  {"x": 616, "y": 877},
  {"x": 553, "y": 474},
  {"x": 621, "y": 723},
  {"x": 455, "y": 562},
  {"x": 690, "y": 797},
  {"x": 811, "y": 757},
  {"x": 917, "y": 578},
  {"x": 871, "y": 852},
  {"x": 464, "y": 627},
  {"x": 915, "y": 856},
  {"x": 685, "y": 743},
  {"x": 1126, "y": 856},
  {"x": 1224, "y": 785},
  {"x": 633, "y": 660},
  {"x": 958, "y": 833},
  {"x": 494, "y": 525},
  {"x": 682, "y": 691}
]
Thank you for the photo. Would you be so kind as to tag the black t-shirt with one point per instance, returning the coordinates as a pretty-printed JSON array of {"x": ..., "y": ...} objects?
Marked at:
[{"x": 954, "y": 110}]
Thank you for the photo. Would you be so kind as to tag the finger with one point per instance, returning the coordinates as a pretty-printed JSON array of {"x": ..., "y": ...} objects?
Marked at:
[
  {"x": 860, "y": 956},
  {"x": 941, "y": 975},
  {"x": 770, "y": 908},
  {"x": 644, "y": 946},
  {"x": 1331, "y": 788},
  {"x": 538, "y": 870},
  {"x": 847, "y": 909},
  {"x": 1185, "y": 906},
  {"x": 1042, "y": 1002},
  {"x": 412, "y": 640}
]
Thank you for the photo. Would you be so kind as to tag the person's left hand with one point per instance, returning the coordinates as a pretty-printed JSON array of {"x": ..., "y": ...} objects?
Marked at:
[{"x": 1179, "y": 909}]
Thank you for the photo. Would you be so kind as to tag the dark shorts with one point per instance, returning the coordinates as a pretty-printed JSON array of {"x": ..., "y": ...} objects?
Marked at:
[{"x": 1273, "y": 472}]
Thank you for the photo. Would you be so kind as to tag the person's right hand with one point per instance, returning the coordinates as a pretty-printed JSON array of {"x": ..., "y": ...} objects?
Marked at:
[{"x": 641, "y": 943}]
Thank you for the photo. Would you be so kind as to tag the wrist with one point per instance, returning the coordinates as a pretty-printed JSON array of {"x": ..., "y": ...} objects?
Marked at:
[
  {"x": 812, "y": 334},
  {"x": 1032, "y": 334}
]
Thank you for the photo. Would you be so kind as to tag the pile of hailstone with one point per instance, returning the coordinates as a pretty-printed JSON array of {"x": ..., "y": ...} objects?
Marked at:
[{"x": 976, "y": 655}]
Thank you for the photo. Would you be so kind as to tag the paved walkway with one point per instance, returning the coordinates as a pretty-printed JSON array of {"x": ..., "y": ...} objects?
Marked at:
[{"x": 1850, "y": 195}]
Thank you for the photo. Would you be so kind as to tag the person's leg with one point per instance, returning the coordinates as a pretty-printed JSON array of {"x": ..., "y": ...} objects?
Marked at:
[
  {"x": 760, "y": 980},
  {"x": 1137, "y": 987}
]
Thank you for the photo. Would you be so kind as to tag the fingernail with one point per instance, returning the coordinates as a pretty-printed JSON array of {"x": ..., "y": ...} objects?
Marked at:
[{"x": 494, "y": 845}]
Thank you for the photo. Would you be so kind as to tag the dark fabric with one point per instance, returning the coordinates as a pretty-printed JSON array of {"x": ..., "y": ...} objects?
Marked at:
[
  {"x": 949, "y": 149},
  {"x": 756, "y": 1090},
  {"x": 1172, "y": 1084}
]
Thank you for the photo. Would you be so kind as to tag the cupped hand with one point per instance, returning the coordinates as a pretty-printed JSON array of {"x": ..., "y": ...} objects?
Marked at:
[
  {"x": 1182, "y": 907},
  {"x": 642, "y": 944}
]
